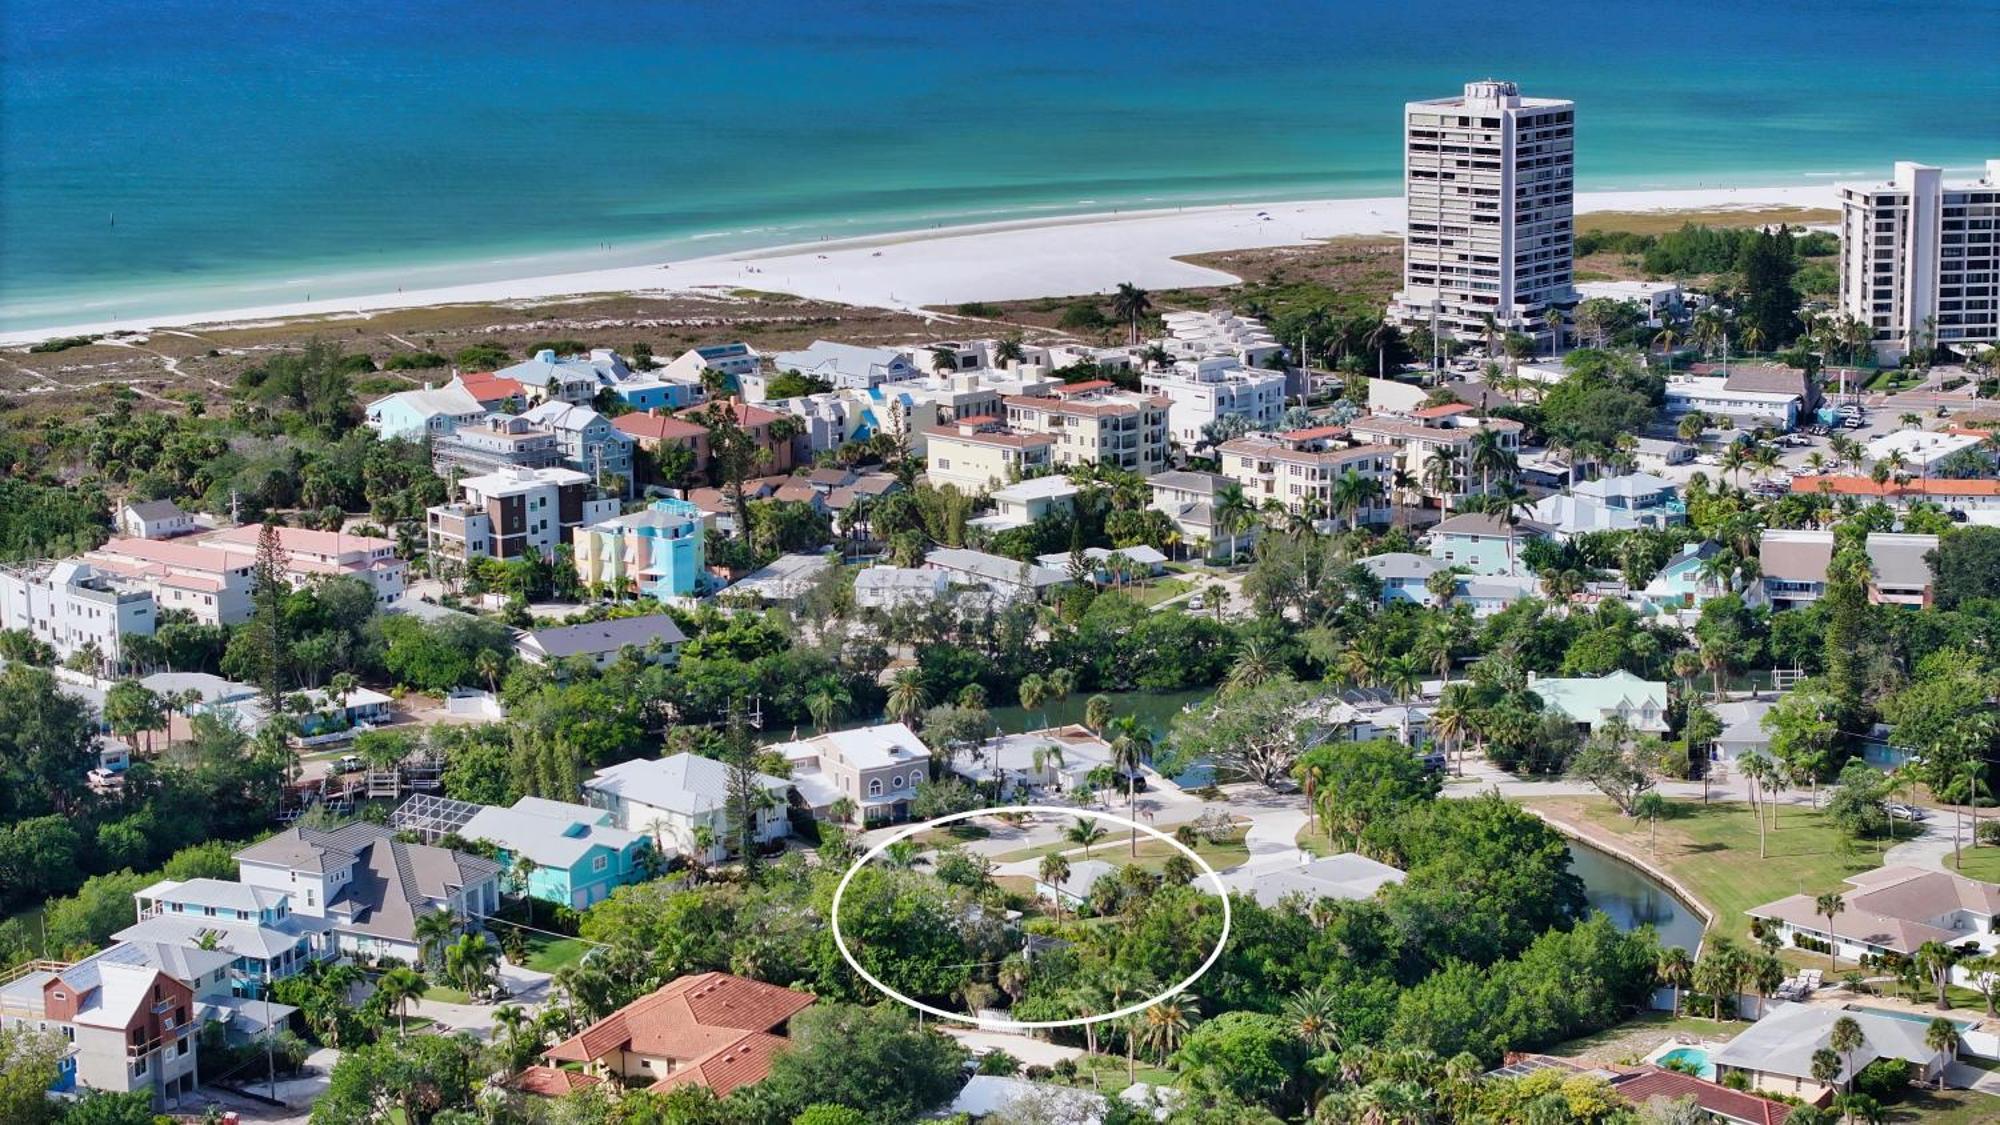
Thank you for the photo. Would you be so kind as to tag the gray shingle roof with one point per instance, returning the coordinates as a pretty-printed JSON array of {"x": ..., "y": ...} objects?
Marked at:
[{"x": 607, "y": 636}]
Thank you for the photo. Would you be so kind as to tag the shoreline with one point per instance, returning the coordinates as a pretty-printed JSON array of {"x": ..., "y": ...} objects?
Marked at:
[{"x": 1011, "y": 259}]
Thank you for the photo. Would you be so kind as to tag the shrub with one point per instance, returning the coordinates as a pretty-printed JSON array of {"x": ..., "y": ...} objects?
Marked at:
[
  {"x": 414, "y": 361},
  {"x": 1083, "y": 314},
  {"x": 978, "y": 309},
  {"x": 481, "y": 357},
  {"x": 560, "y": 347},
  {"x": 1885, "y": 1080},
  {"x": 63, "y": 344}
]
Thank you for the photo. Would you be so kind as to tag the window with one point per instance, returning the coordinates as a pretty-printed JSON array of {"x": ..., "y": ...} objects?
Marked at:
[
  {"x": 600, "y": 863},
  {"x": 874, "y": 787},
  {"x": 139, "y": 1067},
  {"x": 898, "y": 781}
]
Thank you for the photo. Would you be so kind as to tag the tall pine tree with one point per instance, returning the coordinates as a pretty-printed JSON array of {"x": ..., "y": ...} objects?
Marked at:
[
  {"x": 268, "y": 587},
  {"x": 745, "y": 798},
  {"x": 1770, "y": 302}
]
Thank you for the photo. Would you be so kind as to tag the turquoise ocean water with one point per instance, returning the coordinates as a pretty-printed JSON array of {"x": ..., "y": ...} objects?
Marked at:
[{"x": 175, "y": 155}]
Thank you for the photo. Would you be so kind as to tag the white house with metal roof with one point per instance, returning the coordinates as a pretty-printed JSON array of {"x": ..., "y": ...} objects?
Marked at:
[
  {"x": 1775, "y": 1055},
  {"x": 677, "y": 799},
  {"x": 848, "y": 366},
  {"x": 1347, "y": 876}
]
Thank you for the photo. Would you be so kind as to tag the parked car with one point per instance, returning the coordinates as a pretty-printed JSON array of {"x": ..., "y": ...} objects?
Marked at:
[
  {"x": 349, "y": 763},
  {"x": 1197, "y": 603},
  {"x": 1908, "y": 812}
]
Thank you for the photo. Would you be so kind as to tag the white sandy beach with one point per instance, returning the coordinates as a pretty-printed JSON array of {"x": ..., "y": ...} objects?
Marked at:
[{"x": 999, "y": 261}]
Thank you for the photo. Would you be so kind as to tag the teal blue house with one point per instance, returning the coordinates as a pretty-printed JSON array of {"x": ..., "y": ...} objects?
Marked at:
[
  {"x": 1478, "y": 543},
  {"x": 578, "y": 856}
]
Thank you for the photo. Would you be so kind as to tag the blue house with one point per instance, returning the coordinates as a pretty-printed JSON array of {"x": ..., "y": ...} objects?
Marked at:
[
  {"x": 1482, "y": 544},
  {"x": 578, "y": 856},
  {"x": 657, "y": 394},
  {"x": 1405, "y": 577}
]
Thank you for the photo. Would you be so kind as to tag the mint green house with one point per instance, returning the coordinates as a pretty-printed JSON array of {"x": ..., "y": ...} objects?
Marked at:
[
  {"x": 578, "y": 857},
  {"x": 1478, "y": 543}
]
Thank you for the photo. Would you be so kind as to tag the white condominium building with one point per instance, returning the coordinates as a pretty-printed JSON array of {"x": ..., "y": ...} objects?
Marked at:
[
  {"x": 1487, "y": 183},
  {"x": 1203, "y": 391},
  {"x": 72, "y": 608},
  {"x": 1198, "y": 335},
  {"x": 1096, "y": 423},
  {"x": 1919, "y": 254},
  {"x": 1305, "y": 469},
  {"x": 514, "y": 513}
]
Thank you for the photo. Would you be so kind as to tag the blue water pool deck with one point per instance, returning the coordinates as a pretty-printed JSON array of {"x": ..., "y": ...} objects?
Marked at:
[
  {"x": 1909, "y": 1017},
  {"x": 1669, "y": 1054}
]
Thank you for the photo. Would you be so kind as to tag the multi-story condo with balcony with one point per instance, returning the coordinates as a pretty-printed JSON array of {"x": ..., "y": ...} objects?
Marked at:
[
  {"x": 1202, "y": 392},
  {"x": 1488, "y": 178},
  {"x": 513, "y": 513},
  {"x": 656, "y": 553},
  {"x": 1920, "y": 259},
  {"x": 1096, "y": 423},
  {"x": 978, "y": 454},
  {"x": 1307, "y": 472},
  {"x": 126, "y": 1024},
  {"x": 72, "y": 608},
  {"x": 1476, "y": 463},
  {"x": 495, "y": 442},
  {"x": 210, "y": 584}
]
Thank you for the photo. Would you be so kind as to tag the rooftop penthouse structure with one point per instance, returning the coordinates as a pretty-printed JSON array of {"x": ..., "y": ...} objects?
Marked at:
[
  {"x": 1219, "y": 333},
  {"x": 1921, "y": 255},
  {"x": 508, "y": 514},
  {"x": 979, "y": 453},
  {"x": 1202, "y": 392},
  {"x": 1096, "y": 423},
  {"x": 1488, "y": 178},
  {"x": 1305, "y": 471}
]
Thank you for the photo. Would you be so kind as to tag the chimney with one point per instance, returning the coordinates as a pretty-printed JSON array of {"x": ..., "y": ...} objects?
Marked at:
[{"x": 546, "y": 355}]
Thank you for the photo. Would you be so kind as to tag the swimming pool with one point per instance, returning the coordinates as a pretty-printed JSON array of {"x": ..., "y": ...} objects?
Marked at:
[
  {"x": 1696, "y": 1057},
  {"x": 1909, "y": 1017}
]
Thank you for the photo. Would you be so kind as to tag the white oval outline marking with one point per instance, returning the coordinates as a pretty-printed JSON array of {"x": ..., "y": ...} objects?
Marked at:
[{"x": 840, "y": 942}]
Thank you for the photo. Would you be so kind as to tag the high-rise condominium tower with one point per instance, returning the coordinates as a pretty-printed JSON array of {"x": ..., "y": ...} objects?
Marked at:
[
  {"x": 1487, "y": 178},
  {"x": 1920, "y": 259}
]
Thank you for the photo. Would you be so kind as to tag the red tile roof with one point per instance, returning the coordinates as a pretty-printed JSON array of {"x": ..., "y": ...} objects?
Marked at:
[
  {"x": 1313, "y": 433},
  {"x": 1653, "y": 1082},
  {"x": 1441, "y": 410},
  {"x": 553, "y": 1081},
  {"x": 656, "y": 427},
  {"x": 745, "y": 1062},
  {"x": 699, "y": 1021},
  {"x": 1083, "y": 388},
  {"x": 488, "y": 387}
]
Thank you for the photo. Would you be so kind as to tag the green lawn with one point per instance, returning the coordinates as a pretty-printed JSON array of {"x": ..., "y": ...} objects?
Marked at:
[
  {"x": 446, "y": 994},
  {"x": 1110, "y": 1071},
  {"x": 1158, "y": 590},
  {"x": 547, "y": 954},
  {"x": 1635, "y": 1038},
  {"x": 1982, "y": 863},
  {"x": 956, "y": 833},
  {"x": 1949, "y": 1107},
  {"x": 1712, "y": 850},
  {"x": 1148, "y": 847}
]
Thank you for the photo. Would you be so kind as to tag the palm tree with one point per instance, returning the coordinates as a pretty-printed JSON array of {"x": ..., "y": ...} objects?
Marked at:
[
  {"x": 488, "y": 665},
  {"x": 585, "y": 989},
  {"x": 1313, "y": 1014},
  {"x": 1511, "y": 503},
  {"x": 828, "y": 702},
  {"x": 1941, "y": 1036},
  {"x": 1255, "y": 664},
  {"x": 1489, "y": 456},
  {"x": 1033, "y": 692},
  {"x": 1131, "y": 749},
  {"x": 516, "y": 1022},
  {"x": 1847, "y": 1038},
  {"x": 1441, "y": 474},
  {"x": 944, "y": 359},
  {"x": 903, "y": 855},
  {"x": 472, "y": 963},
  {"x": 1829, "y": 906},
  {"x": 1084, "y": 833},
  {"x": 1097, "y": 713},
  {"x": 907, "y": 698},
  {"x": 1935, "y": 960},
  {"x": 1009, "y": 350},
  {"x": 1165, "y": 1025},
  {"x": 1232, "y": 514},
  {"x": 1674, "y": 968},
  {"x": 399, "y": 988},
  {"x": 1054, "y": 872},
  {"x": 1825, "y": 1067},
  {"x": 1131, "y": 304},
  {"x": 1691, "y": 426},
  {"x": 433, "y": 932}
]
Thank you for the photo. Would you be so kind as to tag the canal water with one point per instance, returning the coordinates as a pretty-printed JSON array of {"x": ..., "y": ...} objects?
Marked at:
[{"x": 1631, "y": 898}]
